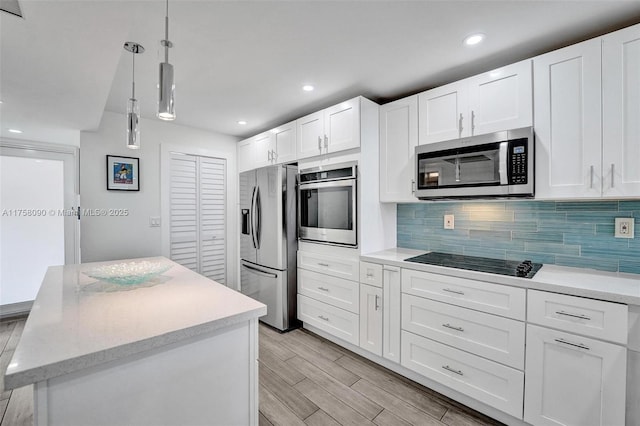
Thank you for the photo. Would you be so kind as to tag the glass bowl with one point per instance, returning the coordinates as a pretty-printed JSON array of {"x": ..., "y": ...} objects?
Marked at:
[{"x": 129, "y": 273}]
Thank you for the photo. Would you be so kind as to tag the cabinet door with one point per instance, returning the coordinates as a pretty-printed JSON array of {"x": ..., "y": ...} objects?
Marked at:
[
  {"x": 245, "y": 155},
  {"x": 262, "y": 147},
  {"x": 342, "y": 126},
  {"x": 621, "y": 113},
  {"x": 371, "y": 318},
  {"x": 310, "y": 135},
  {"x": 443, "y": 113},
  {"x": 573, "y": 380},
  {"x": 391, "y": 313},
  {"x": 567, "y": 101},
  {"x": 501, "y": 99},
  {"x": 398, "y": 139},
  {"x": 284, "y": 143}
]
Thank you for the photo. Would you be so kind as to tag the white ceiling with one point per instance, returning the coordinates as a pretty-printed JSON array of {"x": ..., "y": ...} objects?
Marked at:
[{"x": 64, "y": 64}]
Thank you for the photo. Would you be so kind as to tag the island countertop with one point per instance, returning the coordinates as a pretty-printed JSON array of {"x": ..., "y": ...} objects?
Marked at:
[{"x": 79, "y": 322}]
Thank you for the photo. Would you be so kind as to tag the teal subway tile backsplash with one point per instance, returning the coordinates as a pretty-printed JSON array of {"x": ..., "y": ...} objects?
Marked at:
[{"x": 568, "y": 233}]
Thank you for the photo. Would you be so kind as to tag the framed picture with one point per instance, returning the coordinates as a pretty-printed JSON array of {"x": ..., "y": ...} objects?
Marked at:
[{"x": 123, "y": 173}]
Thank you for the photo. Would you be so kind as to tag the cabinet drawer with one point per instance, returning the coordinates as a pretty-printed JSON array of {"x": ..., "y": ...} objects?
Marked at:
[
  {"x": 325, "y": 288},
  {"x": 499, "y": 339},
  {"x": 346, "y": 268},
  {"x": 596, "y": 318},
  {"x": 335, "y": 321},
  {"x": 489, "y": 382},
  {"x": 371, "y": 273},
  {"x": 482, "y": 296}
]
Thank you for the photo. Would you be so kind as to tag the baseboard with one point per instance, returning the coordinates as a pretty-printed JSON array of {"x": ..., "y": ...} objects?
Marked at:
[{"x": 15, "y": 310}]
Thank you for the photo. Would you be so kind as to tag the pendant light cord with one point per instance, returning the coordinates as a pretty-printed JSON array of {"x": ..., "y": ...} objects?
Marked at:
[
  {"x": 133, "y": 75},
  {"x": 166, "y": 35}
]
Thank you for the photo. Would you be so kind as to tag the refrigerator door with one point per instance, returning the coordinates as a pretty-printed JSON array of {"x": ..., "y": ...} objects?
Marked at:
[
  {"x": 271, "y": 239},
  {"x": 269, "y": 287},
  {"x": 247, "y": 183}
]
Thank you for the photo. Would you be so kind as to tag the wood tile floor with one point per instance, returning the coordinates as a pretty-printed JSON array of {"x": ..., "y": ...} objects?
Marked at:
[{"x": 304, "y": 380}]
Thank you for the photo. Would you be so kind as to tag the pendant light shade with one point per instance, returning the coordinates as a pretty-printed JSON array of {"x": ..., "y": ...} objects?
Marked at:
[
  {"x": 166, "y": 86},
  {"x": 133, "y": 107}
]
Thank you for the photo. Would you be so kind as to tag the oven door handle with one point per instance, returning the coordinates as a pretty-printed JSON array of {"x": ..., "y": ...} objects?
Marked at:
[{"x": 328, "y": 184}]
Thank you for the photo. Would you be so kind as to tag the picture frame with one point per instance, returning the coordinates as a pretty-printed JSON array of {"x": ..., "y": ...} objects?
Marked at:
[{"x": 123, "y": 173}]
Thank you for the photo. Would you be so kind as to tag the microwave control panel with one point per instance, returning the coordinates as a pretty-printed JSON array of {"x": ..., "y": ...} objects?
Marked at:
[{"x": 518, "y": 162}]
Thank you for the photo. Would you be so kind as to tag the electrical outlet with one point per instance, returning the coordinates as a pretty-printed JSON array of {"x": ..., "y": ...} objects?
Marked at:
[
  {"x": 154, "y": 221},
  {"x": 624, "y": 227},
  {"x": 448, "y": 221}
]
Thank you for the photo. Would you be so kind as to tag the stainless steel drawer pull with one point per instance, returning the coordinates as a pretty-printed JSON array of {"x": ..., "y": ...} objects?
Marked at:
[
  {"x": 323, "y": 318},
  {"x": 369, "y": 275},
  {"x": 567, "y": 314},
  {"x": 323, "y": 264},
  {"x": 377, "y": 303},
  {"x": 453, "y": 327},
  {"x": 323, "y": 289},
  {"x": 577, "y": 345},
  {"x": 446, "y": 367},
  {"x": 448, "y": 290}
]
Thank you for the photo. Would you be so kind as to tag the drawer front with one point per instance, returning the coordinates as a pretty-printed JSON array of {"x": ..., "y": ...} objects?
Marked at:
[
  {"x": 494, "y": 384},
  {"x": 338, "y": 292},
  {"x": 345, "y": 268},
  {"x": 499, "y": 339},
  {"x": 595, "y": 318},
  {"x": 335, "y": 321},
  {"x": 479, "y": 295},
  {"x": 371, "y": 273}
]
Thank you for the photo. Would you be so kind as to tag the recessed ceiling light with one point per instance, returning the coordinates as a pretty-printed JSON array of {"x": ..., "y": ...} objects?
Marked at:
[
  {"x": 242, "y": 122},
  {"x": 473, "y": 39},
  {"x": 308, "y": 88},
  {"x": 15, "y": 131}
]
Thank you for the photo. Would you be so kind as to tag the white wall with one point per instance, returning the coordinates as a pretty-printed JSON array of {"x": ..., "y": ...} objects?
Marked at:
[{"x": 109, "y": 238}]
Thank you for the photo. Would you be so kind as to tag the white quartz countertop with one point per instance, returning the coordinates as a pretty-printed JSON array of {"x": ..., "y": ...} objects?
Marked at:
[
  {"x": 79, "y": 322},
  {"x": 610, "y": 286}
]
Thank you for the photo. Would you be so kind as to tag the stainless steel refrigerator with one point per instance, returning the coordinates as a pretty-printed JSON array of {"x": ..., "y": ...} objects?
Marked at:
[{"x": 268, "y": 243}]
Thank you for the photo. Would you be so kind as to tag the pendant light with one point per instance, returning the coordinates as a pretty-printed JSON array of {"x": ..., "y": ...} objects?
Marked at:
[
  {"x": 166, "y": 87},
  {"x": 133, "y": 108}
]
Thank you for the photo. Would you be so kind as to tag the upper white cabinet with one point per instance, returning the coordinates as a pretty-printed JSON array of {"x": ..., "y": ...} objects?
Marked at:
[
  {"x": 587, "y": 104},
  {"x": 276, "y": 146},
  {"x": 333, "y": 129},
  {"x": 262, "y": 149},
  {"x": 398, "y": 139},
  {"x": 621, "y": 113},
  {"x": 246, "y": 155},
  {"x": 496, "y": 100}
]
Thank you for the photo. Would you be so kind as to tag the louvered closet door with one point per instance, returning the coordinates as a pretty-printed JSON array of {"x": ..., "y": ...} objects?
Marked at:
[
  {"x": 197, "y": 216},
  {"x": 212, "y": 218}
]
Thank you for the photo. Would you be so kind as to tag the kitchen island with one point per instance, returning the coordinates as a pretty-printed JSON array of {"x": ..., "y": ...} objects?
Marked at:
[{"x": 177, "y": 349}]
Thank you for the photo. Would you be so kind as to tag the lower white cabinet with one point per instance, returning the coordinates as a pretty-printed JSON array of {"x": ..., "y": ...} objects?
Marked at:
[
  {"x": 487, "y": 381},
  {"x": 573, "y": 380},
  {"x": 391, "y": 313},
  {"x": 326, "y": 288},
  {"x": 335, "y": 321},
  {"x": 371, "y": 318}
]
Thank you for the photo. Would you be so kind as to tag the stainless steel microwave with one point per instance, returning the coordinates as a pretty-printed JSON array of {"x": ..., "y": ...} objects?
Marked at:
[
  {"x": 499, "y": 164},
  {"x": 327, "y": 204}
]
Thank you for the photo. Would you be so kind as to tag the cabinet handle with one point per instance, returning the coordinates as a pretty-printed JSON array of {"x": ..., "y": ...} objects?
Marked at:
[
  {"x": 458, "y": 372},
  {"x": 319, "y": 143},
  {"x": 591, "y": 178},
  {"x": 323, "y": 318},
  {"x": 323, "y": 289},
  {"x": 473, "y": 122},
  {"x": 584, "y": 317},
  {"x": 413, "y": 186},
  {"x": 377, "y": 303},
  {"x": 369, "y": 275},
  {"x": 326, "y": 142},
  {"x": 460, "y": 126},
  {"x": 577, "y": 345},
  {"x": 612, "y": 171},
  {"x": 323, "y": 264},
  {"x": 269, "y": 156},
  {"x": 274, "y": 156},
  {"x": 448, "y": 290},
  {"x": 453, "y": 327}
]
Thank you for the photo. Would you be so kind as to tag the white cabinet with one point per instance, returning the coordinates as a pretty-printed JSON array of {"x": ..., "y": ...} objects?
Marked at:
[
  {"x": 262, "y": 149},
  {"x": 371, "y": 318},
  {"x": 621, "y": 113},
  {"x": 371, "y": 274},
  {"x": 341, "y": 267},
  {"x": 398, "y": 139},
  {"x": 341, "y": 293},
  {"x": 497, "y": 100},
  {"x": 333, "y": 129},
  {"x": 246, "y": 155},
  {"x": 391, "y": 313},
  {"x": 283, "y": 143},
  {"x": 573, "y": 380},
  {"x": 335, "y": 321}
]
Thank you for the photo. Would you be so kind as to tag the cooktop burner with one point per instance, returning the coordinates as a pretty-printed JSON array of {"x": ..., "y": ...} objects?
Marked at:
[{"x": 524, "y": 269}]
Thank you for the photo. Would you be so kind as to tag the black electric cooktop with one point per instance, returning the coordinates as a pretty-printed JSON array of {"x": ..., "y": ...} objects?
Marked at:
[{"x": 524, "y": 269}]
